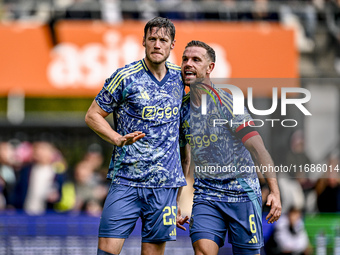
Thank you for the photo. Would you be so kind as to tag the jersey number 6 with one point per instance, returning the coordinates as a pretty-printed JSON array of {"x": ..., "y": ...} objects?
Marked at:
[{"x": 252, "y": 223}]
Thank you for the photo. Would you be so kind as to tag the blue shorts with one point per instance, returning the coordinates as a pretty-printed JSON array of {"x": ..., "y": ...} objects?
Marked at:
[
  {"x": 211, "y": 220},
  {"x": 124, "y": 205}
]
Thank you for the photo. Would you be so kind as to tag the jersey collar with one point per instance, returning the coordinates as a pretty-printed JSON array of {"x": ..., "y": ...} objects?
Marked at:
[{"x": 165, "y": 78}]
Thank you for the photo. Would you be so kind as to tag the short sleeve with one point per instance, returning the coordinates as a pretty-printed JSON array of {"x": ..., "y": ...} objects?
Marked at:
[
  {"x": 240, "y": 120},
  {"x": 111, "y": 94},
  {"x": 241, "y": 125}
]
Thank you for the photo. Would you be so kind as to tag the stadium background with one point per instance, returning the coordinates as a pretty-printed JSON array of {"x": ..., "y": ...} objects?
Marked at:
[{"x": 55, "y": 56}]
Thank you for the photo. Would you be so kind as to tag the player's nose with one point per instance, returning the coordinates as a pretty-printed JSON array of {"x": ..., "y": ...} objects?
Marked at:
[
  {"x": 189, "y": 62},
  {"x": 157, "y": 44}
]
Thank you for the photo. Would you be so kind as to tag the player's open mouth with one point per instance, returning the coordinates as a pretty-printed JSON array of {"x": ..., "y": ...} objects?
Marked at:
[{"x": 189, "y": 74}]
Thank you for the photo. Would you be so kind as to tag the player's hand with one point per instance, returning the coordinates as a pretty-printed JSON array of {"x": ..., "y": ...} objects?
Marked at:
[
  {"x": 180, "y": 221},
  {"x": 129, "y": 139},
  {"x": 274, "y": 201}
]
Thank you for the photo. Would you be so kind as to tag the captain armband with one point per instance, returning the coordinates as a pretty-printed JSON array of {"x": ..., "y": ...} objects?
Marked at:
[{"x": 246, "y": 131}]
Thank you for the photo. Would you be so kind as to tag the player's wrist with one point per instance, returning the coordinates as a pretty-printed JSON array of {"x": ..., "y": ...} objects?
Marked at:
[
  {"x": 116, "y": 140},
  {"x": 275, "y": 192}
]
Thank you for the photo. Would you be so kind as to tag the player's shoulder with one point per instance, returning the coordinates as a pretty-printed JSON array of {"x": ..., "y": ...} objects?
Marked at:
[
  {"x": 175, "y": 69},
  {"x": 130, "y": 69},
  {"x": 224, "y": 95},
  {"x": 226, "y": 99},
  {"x": 125, "y": 75}
]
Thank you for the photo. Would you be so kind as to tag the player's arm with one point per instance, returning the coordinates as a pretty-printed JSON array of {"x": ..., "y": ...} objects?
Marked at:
[
  {"x": 261, "y": 156},
  {"x": 95, "y": 119},
  {"x": 185, "y": 161}
]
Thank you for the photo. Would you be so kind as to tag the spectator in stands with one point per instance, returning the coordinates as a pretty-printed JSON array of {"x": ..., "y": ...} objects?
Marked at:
[
  {"x": 229, "y": 11},
  {"x": 180, "y": 9},
  {"x": 207, "y": 12},
  {"x": 93, "y": 207},
  {"x": 39, "y": 184},
  {"x": 23, "y": 154},
  {"x": 260, "y": 11},
  {"x": 7, "y": 174},
  {"x": 111, "y": 12},
  {"x": 189, "y": 10},
  {"x": 130, "y": 12},
  {"x": 169, "y": 9},
  {"x": 289, "y": 236},
  {"x": 328, "y": 187},
  {"x": 86, "y": 190},
  {"x": 83, "y": 9},
  {"x": 297, "y": 157},
  {"x": 94, "y": 156},
  {"x": 332, "y": 11},
  {"x": 147, "y": 10},
  {"x": 302, "y": 17},
  {"x": 292, "y": 194},
  {"x": 88, "y": 187}
]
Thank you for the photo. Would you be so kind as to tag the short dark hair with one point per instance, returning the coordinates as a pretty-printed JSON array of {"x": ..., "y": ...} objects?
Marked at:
[
  {"x": 210, "y": 51},
  {"x": 160, "y": 23}
]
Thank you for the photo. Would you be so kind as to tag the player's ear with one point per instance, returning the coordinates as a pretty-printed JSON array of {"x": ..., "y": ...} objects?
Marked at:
[
  {"x": 211, "y": 67},
  {"x": 143, "y": 41},
  {"x": 172, "y": 44}
]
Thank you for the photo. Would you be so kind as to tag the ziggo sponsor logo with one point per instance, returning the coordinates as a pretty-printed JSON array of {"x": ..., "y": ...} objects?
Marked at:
[
  {"x": 151, "y": 112},
  {"x": 200, "y": 141}
]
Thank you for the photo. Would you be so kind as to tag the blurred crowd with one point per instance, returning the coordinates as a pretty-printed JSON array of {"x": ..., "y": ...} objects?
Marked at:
[
  {"x": 35, "y": 178},
  {"x": 116, "y": 11},
  {"x": 309, "y": 186},
  {"x": 315, "y": 189}
]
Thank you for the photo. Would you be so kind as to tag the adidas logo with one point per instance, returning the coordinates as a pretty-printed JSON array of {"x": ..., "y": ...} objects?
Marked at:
[
  {"x": 173, "y": 232},
  {"x": 144, "y": 95},
  {"x": 253, "y": 240}
]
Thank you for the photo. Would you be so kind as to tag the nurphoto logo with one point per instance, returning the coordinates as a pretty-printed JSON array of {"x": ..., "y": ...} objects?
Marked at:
[{"x": 238, "y": 103}]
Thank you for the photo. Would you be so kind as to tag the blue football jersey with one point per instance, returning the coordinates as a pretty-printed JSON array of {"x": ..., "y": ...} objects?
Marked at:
[
  {"x": 139, "y": 102},
  {"x": 224, "y": 169}
]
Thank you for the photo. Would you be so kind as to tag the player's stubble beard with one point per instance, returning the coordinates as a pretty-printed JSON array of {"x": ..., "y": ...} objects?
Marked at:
[{"x": 157, "y": 62}]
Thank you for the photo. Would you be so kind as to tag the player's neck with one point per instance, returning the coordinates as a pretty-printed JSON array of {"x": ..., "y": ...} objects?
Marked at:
[
  {"x": 196, "y": 95},
  {"x": 158, "y": 70},
  {"x": 198, "y": 90}
]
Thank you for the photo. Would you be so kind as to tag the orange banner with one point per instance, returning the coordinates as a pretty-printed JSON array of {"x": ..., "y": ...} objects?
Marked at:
[{"x": 89, "y": 52}]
